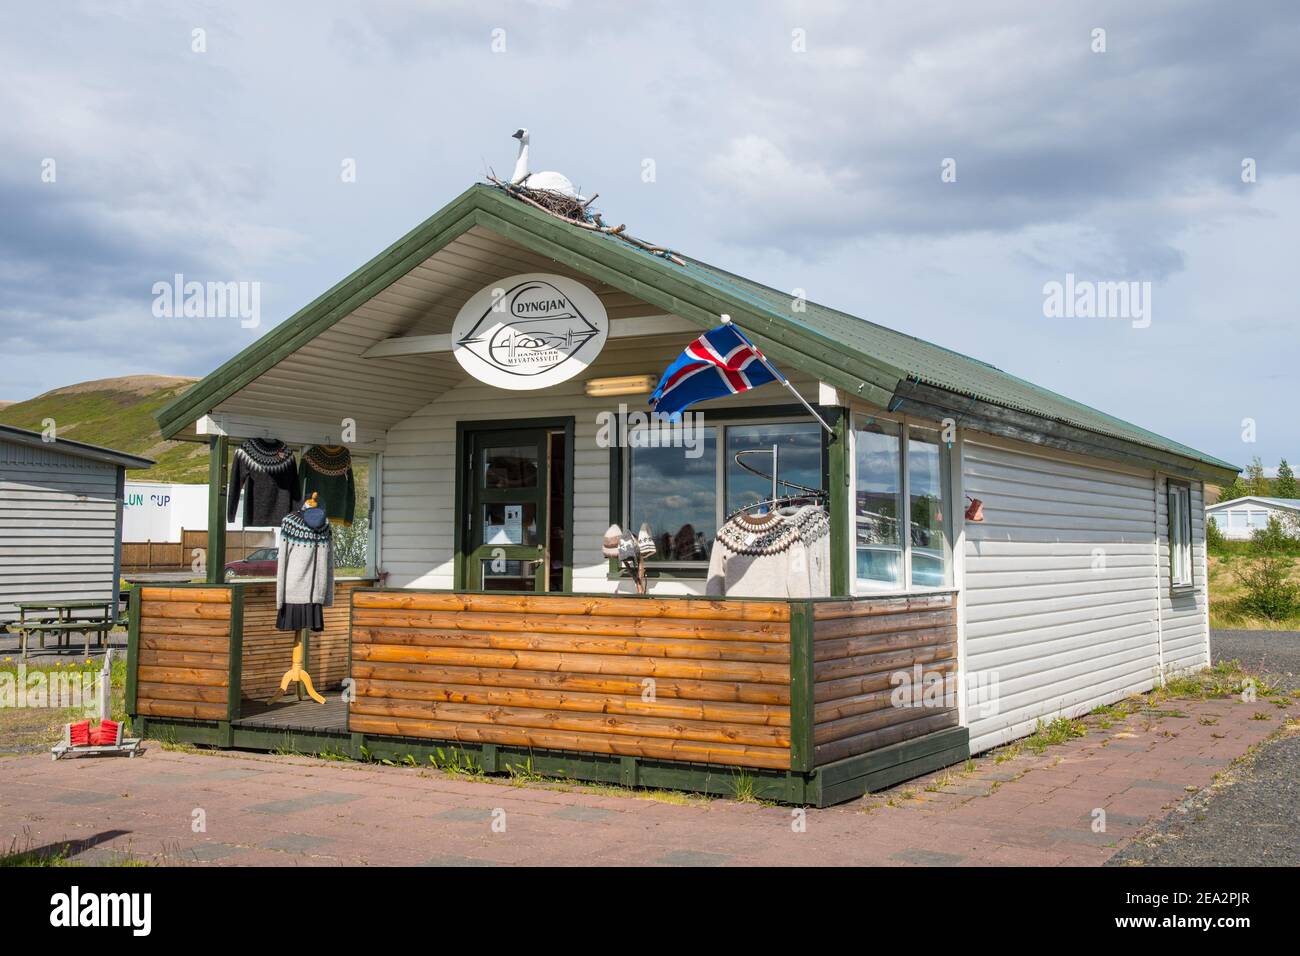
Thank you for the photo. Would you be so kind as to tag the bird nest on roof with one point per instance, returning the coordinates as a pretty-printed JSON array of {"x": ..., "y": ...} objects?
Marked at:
[
  {"x": 577, "y": 211},
  {"x": 573, "y": 208},
  {"x": 556, "y": 203}
]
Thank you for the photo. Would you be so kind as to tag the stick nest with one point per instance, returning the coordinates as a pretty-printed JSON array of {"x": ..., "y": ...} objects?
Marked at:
[{"x": 577, "y": 212}]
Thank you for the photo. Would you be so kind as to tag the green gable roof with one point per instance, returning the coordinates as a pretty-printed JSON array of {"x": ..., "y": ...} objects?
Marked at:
[{"x": 858, "y": 357}]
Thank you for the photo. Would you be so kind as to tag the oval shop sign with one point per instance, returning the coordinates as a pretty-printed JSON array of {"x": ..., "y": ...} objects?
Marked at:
[{"x": 529, "y": 331}]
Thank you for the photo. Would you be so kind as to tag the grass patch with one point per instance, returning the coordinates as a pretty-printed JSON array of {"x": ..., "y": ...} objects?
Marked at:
[
  {"x": 27, "y": 730},
  {"x": 743, "y": 787},
  {"x": 58, "y": 855},
  {"x": 676, "y": 797},
  {"x": 1224, "y": 679},
  {"x": 1059, "y": 731},
  {"x": 455, "y": 763}
]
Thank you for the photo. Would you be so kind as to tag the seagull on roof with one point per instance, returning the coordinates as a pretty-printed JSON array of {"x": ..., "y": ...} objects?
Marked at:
[{"x": 549, "y": 180}]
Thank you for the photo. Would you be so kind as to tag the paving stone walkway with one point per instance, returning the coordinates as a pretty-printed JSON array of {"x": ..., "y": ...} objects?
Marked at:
[{"x": 199, "y": 808}]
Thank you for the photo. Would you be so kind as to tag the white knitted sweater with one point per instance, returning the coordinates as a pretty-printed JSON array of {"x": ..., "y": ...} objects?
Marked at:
[
  {"x": 772, "y": 555},
  {"x": 305, "y": 571}
]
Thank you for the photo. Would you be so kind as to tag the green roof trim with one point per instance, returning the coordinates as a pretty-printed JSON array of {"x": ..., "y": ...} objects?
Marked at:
[{"x": 858, "y": 357}]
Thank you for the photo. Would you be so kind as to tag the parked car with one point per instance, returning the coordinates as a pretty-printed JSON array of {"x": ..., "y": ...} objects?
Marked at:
[{"x": 262, "y": 563}]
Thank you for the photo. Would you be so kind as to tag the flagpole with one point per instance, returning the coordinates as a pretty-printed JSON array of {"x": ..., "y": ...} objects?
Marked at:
[{"x": 726, "y": 320}]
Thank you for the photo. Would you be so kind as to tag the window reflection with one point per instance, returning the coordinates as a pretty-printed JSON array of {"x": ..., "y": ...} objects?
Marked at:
[
  {"x": 676, "y": 497},
  {"x": 925, "y": 491},
  {"x": 799, "y": 460},
  {"x": 877, "y": 503}
]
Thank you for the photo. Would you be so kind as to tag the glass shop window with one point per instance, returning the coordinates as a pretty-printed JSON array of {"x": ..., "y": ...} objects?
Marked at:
[
  {"x": 684, "y": 495},
  {"x": 798, "y": 459},
  {"x": 927, "y": 521},
  {"x": 1180, "y": 535},
  {"x": 878, "y": 501},
  {"x": 902, "y": 511},
  {"x": 674, "y": 491}
]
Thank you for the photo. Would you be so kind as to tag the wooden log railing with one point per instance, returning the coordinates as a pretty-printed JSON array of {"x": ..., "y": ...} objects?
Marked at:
[
  {"x": 675, "y": 679},
  {"x": 884, "y": 671},
  {"x": 179, "y": 659},
  {"x": 767, "y": 684},
  {"x": 200, "y": 652}
]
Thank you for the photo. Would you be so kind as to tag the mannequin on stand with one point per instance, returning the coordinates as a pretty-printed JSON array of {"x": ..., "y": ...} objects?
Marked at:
[{"x": 304, "y": 586}]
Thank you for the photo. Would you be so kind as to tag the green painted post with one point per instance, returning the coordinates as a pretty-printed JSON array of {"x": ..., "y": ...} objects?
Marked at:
[
  {"x": 216, "y": 557},
  {"x": 841, "y": 514},
  {"x": 801, "y": 686},
  {"x": 234, "y": 686},
  {"x": 132, "y": 651}
]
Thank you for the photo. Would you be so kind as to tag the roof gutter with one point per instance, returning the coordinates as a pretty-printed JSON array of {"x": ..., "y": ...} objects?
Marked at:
[{"x": 936, "y": 404}]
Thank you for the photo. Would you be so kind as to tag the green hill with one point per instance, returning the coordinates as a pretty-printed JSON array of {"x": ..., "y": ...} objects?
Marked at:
[{"x": 118, "y": 413}]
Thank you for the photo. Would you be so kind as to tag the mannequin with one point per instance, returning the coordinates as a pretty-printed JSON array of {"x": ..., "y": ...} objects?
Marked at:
[{"x": 304, "y": 584}]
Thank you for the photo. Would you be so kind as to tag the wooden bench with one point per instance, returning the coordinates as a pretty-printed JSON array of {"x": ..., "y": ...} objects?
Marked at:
[{"x": 98, "y": 626}]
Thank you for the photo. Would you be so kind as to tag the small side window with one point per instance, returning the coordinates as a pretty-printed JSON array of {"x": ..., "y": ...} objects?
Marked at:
[{"x": 1180, "y": 535}]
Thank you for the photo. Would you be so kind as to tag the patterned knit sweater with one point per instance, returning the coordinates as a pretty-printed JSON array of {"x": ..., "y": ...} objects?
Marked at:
[
  {"x": 327, "y": 470},
  {"x": 772, "y": 555},
  {"x": 265, "y": 473},
  {"x": 305, "y": 569}
]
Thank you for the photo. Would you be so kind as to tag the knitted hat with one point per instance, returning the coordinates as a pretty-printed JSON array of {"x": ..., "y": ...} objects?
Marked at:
[
  {"x": 644, "y": 543},
  {"x": 609, "y": 544}
]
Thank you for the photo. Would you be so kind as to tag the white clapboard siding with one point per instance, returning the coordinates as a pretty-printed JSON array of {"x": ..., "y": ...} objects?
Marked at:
[
  {"x": 1060, "y": 587},
  {"x": 419, "y": 472},
  {"x": 58, "y": 527},
  {"x": 1186, "y": 639}
]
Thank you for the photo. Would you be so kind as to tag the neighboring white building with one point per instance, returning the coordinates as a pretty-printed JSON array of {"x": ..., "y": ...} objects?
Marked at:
[
  {"x": 60, "y": 519},
  {"x": 1239, "y": 518},
  {"x": 159, "y": 511}
]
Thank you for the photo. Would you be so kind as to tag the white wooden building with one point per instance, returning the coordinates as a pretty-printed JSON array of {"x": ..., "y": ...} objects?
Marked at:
[
  {"x": 60, "y": 519},
  {"x": 1240, "y": 518},
  {"x": 1084, "y": 582}
]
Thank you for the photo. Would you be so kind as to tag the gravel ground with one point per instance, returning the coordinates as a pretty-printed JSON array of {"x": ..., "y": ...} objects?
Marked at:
[
  {"x": 1252, "y": 817},
  {"x": 1272, "y": 653}
]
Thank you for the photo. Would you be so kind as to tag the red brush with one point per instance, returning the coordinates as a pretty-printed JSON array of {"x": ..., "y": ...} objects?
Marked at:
[
  {"x": 79, "y": 733},
  {"x": 105, "y": 733}
]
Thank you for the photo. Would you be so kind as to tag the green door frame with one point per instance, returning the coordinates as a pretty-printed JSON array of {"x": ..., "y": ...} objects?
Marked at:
[{"x": 467, "y": 532}]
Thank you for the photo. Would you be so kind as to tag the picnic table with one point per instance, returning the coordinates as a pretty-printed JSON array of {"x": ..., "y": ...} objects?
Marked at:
[{"x": 61, "y": 618}]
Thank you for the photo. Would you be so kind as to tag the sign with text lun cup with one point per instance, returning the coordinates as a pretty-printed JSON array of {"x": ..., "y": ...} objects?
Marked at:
[{"x": 529, "y": 331}]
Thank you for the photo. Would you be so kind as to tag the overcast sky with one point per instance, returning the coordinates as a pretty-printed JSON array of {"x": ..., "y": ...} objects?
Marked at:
[{"x": 799, "y": 144}]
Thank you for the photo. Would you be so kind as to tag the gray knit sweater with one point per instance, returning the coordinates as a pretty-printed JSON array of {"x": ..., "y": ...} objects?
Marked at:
[
  {"x": 772, "y": 555},
  {"x": 305, "y": 571}
]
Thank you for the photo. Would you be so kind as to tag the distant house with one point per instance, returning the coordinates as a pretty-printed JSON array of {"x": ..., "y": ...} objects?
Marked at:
[
  {"x": 60, "y": 519},
  {"x": 1242, "y": 517}
]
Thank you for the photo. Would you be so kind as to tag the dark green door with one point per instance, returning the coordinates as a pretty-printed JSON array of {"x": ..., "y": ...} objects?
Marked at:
[{"x": 508, "y": 476}]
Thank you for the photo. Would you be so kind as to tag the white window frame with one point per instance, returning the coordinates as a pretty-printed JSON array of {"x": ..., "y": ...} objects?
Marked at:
[
  {"x": 904, "y": 425},
  {"x": 1179, "y": 499}
]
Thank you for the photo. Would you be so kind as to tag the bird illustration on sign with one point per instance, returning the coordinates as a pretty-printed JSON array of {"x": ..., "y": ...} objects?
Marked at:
[{"x": 541, "y": 329}]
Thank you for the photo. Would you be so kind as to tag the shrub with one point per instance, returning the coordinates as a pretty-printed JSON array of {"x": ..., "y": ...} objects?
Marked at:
[
  {"x": 1276, "y": 538},
  {"x": 1265, "y": 578},
  {"x": 352, "y": 544},
  {"x": 1214, "y": 539}
]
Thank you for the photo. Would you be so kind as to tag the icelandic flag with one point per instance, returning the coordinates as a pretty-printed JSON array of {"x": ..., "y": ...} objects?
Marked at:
[{"x": 720, "y": 362}]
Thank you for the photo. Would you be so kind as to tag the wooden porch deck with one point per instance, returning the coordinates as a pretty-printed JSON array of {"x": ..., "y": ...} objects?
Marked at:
[{"x": 305, "y": 716}]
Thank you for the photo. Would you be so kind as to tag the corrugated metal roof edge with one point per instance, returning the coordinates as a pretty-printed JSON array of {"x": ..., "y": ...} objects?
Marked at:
[
  {"x": 77, "y": 449},
  {"x": 1137, "y": 436},
  {"x": 1163, "y": 443}
]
